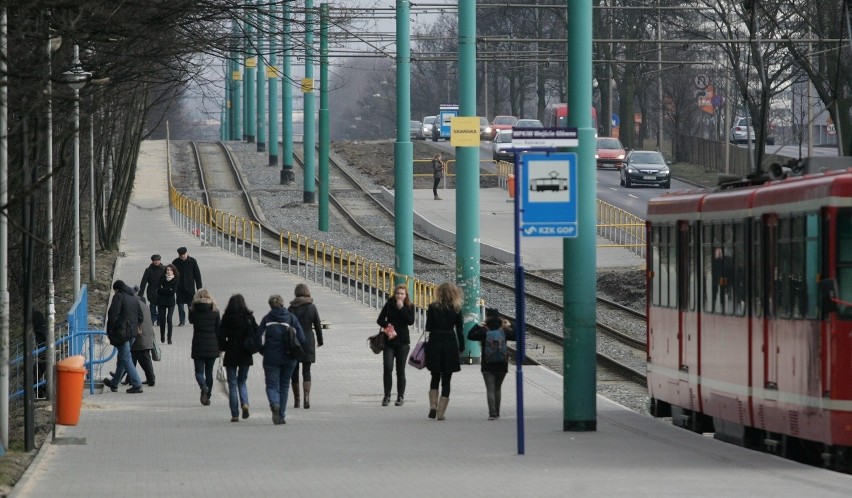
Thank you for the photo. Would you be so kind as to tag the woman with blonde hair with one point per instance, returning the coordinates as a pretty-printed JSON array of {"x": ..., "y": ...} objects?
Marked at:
[
  {"x": 204, "y": 317},
  {"x": 446, "y": 341},
  {"x": 396, "y": 315}
]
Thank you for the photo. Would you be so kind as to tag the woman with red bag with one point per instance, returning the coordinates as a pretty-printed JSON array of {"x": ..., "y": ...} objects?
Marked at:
[{"x": 396, "y": 315}]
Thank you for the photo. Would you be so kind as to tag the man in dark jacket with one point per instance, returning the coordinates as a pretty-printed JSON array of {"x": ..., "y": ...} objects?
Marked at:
[
  {"x": 273, "y": 339},
  {"x": 190, "y": 280},
  {"x": 123, "y": 319},
  {"x": 150, "y": 280}
]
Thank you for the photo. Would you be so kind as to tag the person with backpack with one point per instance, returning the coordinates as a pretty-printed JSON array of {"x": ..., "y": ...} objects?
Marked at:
[
  {"x": 204, "y": 317},
  {"x": 397, "y": 313},
  {"x": 306, "y": 311},
  {"x": 280, "y": 340},
  {"x": 493, "y": 335},
  {"x": 446, "y": 341},
  {"x": 236, "y": 339},
  {"x": 123, "y": 320}
]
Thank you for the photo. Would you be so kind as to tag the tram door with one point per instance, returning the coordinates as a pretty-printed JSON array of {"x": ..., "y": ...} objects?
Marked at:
[
  {"x": 687, "y": 282},
  {"x": 773, "y": 271}
]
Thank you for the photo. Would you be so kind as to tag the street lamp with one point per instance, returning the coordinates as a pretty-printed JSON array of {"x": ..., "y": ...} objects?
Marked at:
[{"x": 76, "y": 78}]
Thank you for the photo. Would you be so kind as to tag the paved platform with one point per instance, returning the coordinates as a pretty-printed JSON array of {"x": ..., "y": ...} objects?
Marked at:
[
  {"x": 496, "y": 230},
  {"x": 163, "y": 442}
]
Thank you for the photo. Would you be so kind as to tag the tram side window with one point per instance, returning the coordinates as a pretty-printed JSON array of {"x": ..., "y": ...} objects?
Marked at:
[
  {"x": 812, "y": 265},
  {"x": 782, "y": 271},
  {"x": 707, "y": 268},
  {"x": 757, "y": 266},
  {"x": 672, "y": 283},
  {"x": 690, "y": 290},
  {"x": 738, "y": 284},
  {"x": 844, "y": 262}
]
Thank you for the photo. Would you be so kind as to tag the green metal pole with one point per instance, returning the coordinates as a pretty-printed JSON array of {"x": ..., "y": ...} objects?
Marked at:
[
  {"x": 226, "y": 130},
  {"x": 579, "y": 256},
  {"x": 236, "y": 76},
  {"x": 260, "y": 136},
  {"x": 251, "y": 65},
  {"x": 403, "y": 151},
  {"x": 222, "y": 135},
  {"x": 309, "y": 141},
  {"x": 467, "y": 181},
  {"x": 323, "y": 120},
  {"x": 287, "y": 175},
  {"x": 273, "y": 89}
]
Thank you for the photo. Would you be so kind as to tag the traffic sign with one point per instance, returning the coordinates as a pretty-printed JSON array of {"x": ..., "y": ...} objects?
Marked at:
[
  {"x": 701, "y": 81},
  {"x": 830, "y": 129},
  {"x": 548, "y": 194},
  {"x": 544, "y": 137},
  {"x": 615, "y": 120}
]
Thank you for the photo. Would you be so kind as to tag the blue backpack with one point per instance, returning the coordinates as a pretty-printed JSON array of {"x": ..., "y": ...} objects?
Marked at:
[{"x": 495, "y": 350}]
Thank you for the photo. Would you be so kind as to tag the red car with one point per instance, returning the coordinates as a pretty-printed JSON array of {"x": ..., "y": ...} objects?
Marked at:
[
  {"x": 610, "y": 153},
  {"x": 502, "y": 123}
]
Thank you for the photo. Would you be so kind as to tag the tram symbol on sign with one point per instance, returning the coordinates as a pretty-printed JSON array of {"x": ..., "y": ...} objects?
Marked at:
[{"x": 552, "y": 183}]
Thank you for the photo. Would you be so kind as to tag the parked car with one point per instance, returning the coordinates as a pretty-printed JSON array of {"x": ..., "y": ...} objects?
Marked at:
[
  {"x": 610, "y": 152},
  {"x": 528, "y": 123},
  {"x": 501, "y": 145},
  {"x": 484, "y": 128},
  {"x": 741, "y": 131},
  {"x": 426, "y": 127},
  {"x": 502, "y": 123},
  {"x": 416, "y": 129},
  {"x": 646, "y": 167}
]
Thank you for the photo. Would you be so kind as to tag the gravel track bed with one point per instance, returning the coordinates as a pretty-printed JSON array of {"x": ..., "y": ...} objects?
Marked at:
[{"x": 282, "y": 206}]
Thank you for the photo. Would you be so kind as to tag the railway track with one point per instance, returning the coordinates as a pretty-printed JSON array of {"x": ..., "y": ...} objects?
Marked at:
[{"x": 222, "y": 186}]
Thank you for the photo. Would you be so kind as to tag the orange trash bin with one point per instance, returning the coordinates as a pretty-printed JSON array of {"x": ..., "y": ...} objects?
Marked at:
[
  {"x": 70, "y": 377},
  {"x": 511, "y": 186}
]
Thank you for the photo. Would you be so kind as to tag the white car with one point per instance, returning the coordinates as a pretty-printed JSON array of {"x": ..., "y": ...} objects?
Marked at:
[
  {"x": 741, "y": 131},
  {"x": 529, "y": 123},
  {"x": 501, "y": 145},
  {"x": 426, "y": 127}
]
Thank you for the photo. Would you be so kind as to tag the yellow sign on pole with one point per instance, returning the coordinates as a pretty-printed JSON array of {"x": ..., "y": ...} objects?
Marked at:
[
  {"x": 251, "y": 62},
  {"x": 237, "y": 76},
  {"x": 464, "y": 131},
  {"x": 307, "y": 85},
  {"x": 272, "y": 72}
]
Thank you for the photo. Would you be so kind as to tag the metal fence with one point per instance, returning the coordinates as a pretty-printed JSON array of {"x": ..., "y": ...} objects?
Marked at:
[{"x": 710, "y": 154}]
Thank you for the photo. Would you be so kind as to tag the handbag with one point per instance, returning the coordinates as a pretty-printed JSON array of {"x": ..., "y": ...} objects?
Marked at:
[
  {"x": 417, "y": 358},
  {"x": 155, "y": 352},
  {"x": 377, "y": 342},
  {"x": 220, "y": 371}
]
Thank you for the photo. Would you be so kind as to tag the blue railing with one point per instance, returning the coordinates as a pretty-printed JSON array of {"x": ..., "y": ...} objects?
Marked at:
[{"x": 77, "y": 340}]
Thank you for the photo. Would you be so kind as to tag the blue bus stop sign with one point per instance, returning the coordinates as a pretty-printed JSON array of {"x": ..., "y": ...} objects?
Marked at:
[{"x": 548, "y": 194}]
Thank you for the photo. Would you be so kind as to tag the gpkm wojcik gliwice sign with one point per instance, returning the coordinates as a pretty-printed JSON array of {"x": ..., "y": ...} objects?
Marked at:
[{"x": 548, "y": 183}]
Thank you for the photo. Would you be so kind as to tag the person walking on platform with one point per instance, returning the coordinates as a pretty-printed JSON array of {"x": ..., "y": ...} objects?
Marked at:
[
  {"x": 140, "y": 351},
  {"x": 190, "y": 280},
  {"x": 166, "y": 290},
  {"x": 446, "y": 341},
  {"x": 396, "y": 315},
  {"x": 150, "y": 281},
  {"x": 493, "y": 335},
  {"x": 204, "y": 317},
  {"x": 437, "y": 173},
  {"x": 306, "y": 312},
  {"x": 273, "y": 337},
  {"x": 124, "y": 317},
  {"x": 238, "y": 324}
]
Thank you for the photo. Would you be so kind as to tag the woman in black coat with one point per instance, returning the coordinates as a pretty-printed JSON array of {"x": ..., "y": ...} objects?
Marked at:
[
  {"x": 304, "y": 309},
  {"x": 166, "y": 290},
  {"x": 446, "y": 341},
  {"x": 237, "y": 324},
  {"x": 399, "y": 312},
  {"x": 204, "y": 317}
]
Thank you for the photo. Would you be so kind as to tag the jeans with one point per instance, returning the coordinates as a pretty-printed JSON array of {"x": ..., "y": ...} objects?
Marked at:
[
  {"x": 204, "y": 373},
  {"x": 166, "y": 314},
  {"x": 278, "y": 384},
  {"x": 493, "y": 384},
  {"x": 153, "y": 308},
  {"x": 400, "y": 354},
  {"x": 182, "y": 312},
  {"x": 125, "y": 364},
  {"x": 237, "y": 390}
]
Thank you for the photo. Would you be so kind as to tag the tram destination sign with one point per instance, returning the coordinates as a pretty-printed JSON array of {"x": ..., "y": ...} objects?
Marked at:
[
  {"x": 544, "y": 137},
  {"x": 548, "y": 194}
]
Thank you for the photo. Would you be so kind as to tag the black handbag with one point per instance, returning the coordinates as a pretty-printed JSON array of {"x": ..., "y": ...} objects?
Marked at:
[{"x": 377, "y": 342}]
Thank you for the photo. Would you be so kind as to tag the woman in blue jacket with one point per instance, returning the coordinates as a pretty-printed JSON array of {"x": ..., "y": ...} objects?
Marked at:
[{"x": 274, "y": 342}]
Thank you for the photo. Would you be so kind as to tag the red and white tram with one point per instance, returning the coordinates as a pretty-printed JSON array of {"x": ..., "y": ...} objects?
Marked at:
[{"x": 749, "y": 301}]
